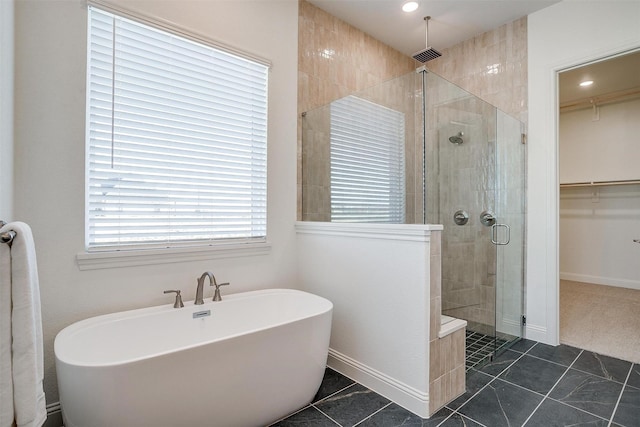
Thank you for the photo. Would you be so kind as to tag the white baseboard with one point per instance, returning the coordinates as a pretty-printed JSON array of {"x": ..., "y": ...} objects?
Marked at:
[
  {"x": 537, "y": 333},
  {"x": 597, "y": 280},
  {"x": 54, "y": 415},
  {"x": 400, "y": 393}
]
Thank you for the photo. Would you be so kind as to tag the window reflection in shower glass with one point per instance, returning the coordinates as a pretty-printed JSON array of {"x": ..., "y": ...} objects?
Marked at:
[{"x": 367, "y": 172}]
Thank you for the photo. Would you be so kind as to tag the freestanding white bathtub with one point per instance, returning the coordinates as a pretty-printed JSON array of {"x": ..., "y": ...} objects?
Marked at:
[{"x": 257, "y": 357}]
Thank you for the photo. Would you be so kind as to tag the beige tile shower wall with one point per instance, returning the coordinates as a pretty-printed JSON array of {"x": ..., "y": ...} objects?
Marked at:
[
  {"x": 492, "y": 66},
  {"x": 335, "y": 60},
  {"x": 316, "y": 203},
  {"x": 460, "y": 178},
  {"x": 446, "y": 354}
]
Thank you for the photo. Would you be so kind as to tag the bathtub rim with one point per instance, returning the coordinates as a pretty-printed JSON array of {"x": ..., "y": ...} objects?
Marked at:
[{"x": 67, "y": 332}]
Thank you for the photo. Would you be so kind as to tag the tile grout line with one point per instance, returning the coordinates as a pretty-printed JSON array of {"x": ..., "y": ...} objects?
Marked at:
[
  {"x": 560, "y": 364},
  {"x": 290, "y": 415},
  {"x": 551, "y": 389},
  {"x": 469, "y": 418},
  {"x": 577, "y": 409},
  {"x": 624, "y": 386},
  {"x": 600, "y": 376},
  {"x": 523, "y": 387},
  {"x": 446, "y": 418},
  {"x": 313, "y": 404},
  {"x": 510, "y": 365},
  {"x": 369, "y": 416},
  {"x": 323, "y": 413},
  {"x": 334, "y": 393},
  {"x": 461, "y": 416},
  {"x": 339, "y": 391}
]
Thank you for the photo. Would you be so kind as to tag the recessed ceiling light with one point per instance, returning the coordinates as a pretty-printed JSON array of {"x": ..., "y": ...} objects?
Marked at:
[
  {"x": 586, "y": 83},
  {"x": 410, "y": 6}
]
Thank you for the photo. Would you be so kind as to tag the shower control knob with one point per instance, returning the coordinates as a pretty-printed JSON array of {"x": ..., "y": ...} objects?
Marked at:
[
  {"x": 487, "y": 218},
  {"x": 461, "y": 217}
]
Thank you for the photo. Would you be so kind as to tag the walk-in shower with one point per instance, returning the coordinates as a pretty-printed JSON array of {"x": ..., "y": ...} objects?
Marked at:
[{"x": 418, "y": 149}]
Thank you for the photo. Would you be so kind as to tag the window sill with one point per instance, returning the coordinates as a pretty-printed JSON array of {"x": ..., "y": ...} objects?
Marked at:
[{"x": 132, "y": 258}]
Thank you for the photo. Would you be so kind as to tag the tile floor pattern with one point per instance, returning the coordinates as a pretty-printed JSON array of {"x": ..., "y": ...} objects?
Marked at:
[{"x": 531, "y": 384}]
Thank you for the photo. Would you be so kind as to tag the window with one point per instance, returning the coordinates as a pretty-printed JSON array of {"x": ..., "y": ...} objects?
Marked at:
[
  {"x": 176, "y": 139},
  {"x": 367, "y": 162}
]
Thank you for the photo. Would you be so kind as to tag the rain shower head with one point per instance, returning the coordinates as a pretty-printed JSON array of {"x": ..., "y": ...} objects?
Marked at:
[
  {"x": 457, "y": 139},
  {"x": 428, "y": 53}
]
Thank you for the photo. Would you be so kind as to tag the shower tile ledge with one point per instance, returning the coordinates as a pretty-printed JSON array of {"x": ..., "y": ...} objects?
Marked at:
[{"x": 449, "y": 325}]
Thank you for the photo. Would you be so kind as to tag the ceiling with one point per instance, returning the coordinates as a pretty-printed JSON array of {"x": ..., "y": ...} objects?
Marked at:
[
  {"x": 452, "y": 21},
  {"x": 620, "y": 73}
]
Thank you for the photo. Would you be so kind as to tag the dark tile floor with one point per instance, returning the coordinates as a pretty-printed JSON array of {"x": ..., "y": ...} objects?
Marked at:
[{"x": 532, "y": 384}]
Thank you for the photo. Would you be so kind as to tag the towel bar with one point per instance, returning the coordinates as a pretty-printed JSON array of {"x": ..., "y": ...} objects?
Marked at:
[{"x": 8, "y": 236}]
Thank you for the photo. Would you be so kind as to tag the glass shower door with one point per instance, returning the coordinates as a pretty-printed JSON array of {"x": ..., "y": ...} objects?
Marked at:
[
  {"x": 474, "y": 169},
  {"x": 508, "y": 233}
]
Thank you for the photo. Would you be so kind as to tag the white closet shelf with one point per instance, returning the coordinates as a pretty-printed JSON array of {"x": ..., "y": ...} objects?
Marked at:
[{"x": 600, "y": 183}]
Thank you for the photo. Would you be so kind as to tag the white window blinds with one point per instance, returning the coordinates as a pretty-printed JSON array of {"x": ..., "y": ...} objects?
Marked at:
[
  {"x": 367, "y": 162},
  {"x": 176, "y": 138}
]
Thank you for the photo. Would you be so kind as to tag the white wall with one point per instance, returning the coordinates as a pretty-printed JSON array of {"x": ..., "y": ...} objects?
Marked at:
[
  {"x": 597, "y": 228},
  {"x": 567, "y": 34},
  {"x": 6, "y": 109},
  {"x": 377, "y": 277},
  {"x": 606, "y": 148},
  {"x": 49, "y": 163}
]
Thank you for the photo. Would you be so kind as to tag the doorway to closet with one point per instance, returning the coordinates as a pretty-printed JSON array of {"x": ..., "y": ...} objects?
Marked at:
[{"x": 599, "y": 209}]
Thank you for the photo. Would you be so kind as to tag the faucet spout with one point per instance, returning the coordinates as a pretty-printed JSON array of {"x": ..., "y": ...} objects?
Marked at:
[{"x": 200, "y": 289}]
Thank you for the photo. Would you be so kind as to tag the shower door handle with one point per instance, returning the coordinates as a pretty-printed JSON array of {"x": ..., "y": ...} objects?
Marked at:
[{"x": 494, "y": 234}]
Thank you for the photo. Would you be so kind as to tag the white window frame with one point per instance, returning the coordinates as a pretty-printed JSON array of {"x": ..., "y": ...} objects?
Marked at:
[{"x": 128, "y": 255}]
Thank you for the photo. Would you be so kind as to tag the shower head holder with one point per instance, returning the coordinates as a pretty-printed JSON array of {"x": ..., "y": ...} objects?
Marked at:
[{"x": 428, "y": 53}]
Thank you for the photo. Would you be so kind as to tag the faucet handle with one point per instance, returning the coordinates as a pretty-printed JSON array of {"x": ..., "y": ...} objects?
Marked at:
[
  {"x": 216, "y": 294},
  {"x": 178, "y": 303}
]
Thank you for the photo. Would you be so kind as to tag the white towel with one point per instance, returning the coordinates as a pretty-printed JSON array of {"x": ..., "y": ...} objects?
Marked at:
[
  {"x": 22, "y": 301},
  {"x": 6, "y": 377}
]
